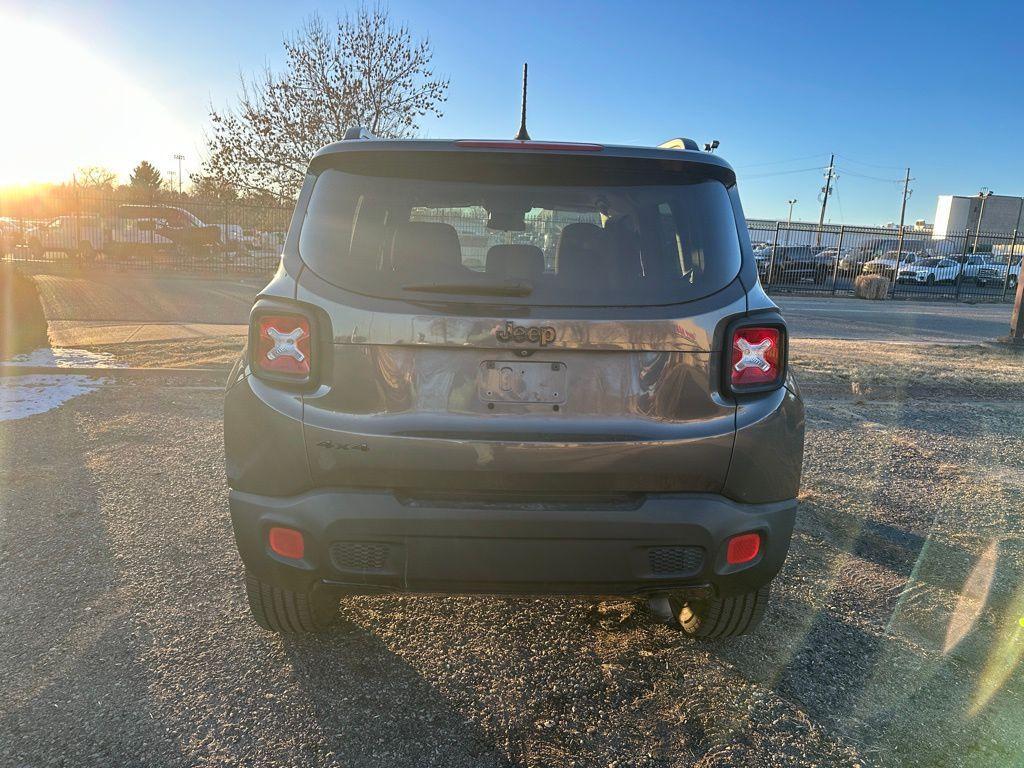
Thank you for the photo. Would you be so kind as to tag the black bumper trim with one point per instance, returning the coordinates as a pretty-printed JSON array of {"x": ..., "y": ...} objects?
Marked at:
[{"x": 509, "y": 551}]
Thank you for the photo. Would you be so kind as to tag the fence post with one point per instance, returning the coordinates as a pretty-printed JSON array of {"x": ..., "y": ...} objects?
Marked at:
[
  {"x": 839, "y": 253},
  {"x": 771, "y": 261},
  {"x": 1009, "y": 265},
  {"x": 963, "y": 264}
]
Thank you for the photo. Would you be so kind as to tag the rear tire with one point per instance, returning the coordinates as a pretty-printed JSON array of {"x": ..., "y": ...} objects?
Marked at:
[
  {"x": 285, "y": 611},
  {"x": 720, "y": 617}
]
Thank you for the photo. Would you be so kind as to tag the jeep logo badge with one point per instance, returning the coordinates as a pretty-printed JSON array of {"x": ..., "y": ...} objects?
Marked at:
[{"x": 535, "y": 334}]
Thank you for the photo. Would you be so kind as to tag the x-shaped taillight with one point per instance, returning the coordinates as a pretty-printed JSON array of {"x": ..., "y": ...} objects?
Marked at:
[
  {"x": 286, "y": 344},
  {"x": 753, "y": 355}
]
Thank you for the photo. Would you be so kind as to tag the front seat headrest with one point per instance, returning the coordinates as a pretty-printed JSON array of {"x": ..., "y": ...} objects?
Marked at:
[
  {"x": 582, "y": 249},
  {"x": 420, "y": 245},
  {"x": 520, "y": 261}
]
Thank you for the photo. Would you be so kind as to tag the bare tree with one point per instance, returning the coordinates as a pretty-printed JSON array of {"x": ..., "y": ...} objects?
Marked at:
[
  {"x": 95, "y": 177},
  {"x": 363, "y": 71}
]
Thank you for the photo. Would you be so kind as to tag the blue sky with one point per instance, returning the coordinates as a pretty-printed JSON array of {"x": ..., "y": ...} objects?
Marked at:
[{"x": 936, "y": 86}]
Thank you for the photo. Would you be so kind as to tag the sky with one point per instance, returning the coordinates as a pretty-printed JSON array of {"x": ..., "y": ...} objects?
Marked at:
[{"x": 885, "y": 86}]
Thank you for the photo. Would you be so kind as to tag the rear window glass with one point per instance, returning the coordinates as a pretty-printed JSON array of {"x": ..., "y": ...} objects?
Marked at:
[{"x": 539, "y": 240}]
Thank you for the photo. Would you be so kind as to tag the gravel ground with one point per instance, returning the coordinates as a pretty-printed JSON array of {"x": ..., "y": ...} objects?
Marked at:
[{"x": 893, "y": 638}]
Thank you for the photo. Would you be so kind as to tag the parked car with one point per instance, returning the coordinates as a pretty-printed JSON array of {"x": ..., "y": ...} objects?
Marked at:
[
  {"x": 930, "y": 271},
  {"x": 973, "y": 265},
  {"x": 232, "y": 239},
  {"x": 987, "y": 268},
  {"x": 401, "y": 421},
  {"x": 73, "y": 235},
  {"x": 146, "y": 230},
  {"x": 995, "y": 270},
  {"x": 12, "y": 234},
  {"x": 852, "y": 261},
  {"x": 792, "y": 263},
  {"x": 886, "y": 265}
]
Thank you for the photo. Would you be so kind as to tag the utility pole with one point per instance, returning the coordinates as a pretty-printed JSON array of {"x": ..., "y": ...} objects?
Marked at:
[
  {"x": 179, "y": 157},
  {"x": 827, "y": 190},
  {"x": 899, "y": 237},
  {"x": 984, "y": 194}
]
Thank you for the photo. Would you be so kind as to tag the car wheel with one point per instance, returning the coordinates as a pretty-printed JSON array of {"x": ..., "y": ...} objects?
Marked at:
[
  {"x": 35, "y": 247},
  {"x": 285, "y": 611},
  {"x": 719, "y": 617},
  {"x": 1012, "y": 282},
  {"x": 930, "y": 280}
]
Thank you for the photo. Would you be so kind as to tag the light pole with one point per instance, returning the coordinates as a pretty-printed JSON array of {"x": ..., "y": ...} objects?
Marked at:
[
  {"x": 984, "y": 194},
  {"x": 179, "y": 157},
  {"x": 789, "y": 221}
]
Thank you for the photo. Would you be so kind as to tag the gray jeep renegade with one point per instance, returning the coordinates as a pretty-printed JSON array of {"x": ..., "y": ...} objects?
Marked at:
[{"x": 515, "y": 367}]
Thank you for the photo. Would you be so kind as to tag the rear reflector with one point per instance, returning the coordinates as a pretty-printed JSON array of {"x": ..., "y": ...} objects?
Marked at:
[
  {"x": 756, "y": 360},
  {"x": 542, "y": 146},
  {"x": 743, "y": 548},
  {"x": 283, "y": 346},
  {"x": 287, "y": 542}
]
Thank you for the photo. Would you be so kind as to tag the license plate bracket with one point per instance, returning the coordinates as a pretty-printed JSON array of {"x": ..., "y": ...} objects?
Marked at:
[{"x": 520, "y": 381}]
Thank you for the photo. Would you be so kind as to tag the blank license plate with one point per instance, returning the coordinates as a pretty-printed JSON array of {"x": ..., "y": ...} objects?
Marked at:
[{"x": 516, "y": 381}]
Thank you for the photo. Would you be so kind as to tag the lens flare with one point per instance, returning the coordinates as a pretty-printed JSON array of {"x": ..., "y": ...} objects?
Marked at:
[
  {"x": 972, "y": 598},
  {"x": 1005, "y": 655}
]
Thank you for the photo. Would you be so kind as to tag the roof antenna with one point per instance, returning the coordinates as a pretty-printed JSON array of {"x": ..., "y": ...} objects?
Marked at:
[{"x": 523, "y": 135}]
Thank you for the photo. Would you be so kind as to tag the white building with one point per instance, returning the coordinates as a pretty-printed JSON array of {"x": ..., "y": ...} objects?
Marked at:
[{"x": 956, "y": 213}]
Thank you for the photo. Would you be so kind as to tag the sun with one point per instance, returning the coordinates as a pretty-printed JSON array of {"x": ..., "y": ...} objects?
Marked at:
[{"x": 63, "y": 105}]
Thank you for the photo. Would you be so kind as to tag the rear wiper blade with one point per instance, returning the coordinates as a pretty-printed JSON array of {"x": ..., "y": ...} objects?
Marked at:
[{"x": 482, "y": 289}]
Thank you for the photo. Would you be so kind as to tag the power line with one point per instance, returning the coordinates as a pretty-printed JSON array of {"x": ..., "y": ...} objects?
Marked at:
[
  {"x": 870, "y": 165},
  {"x": 873, "y": 178},
  {"x": 781, "y": 162},
  {"x": 780, "y": 173}
]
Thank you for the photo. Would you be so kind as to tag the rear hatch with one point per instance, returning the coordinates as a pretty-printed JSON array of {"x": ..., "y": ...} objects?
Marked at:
[{"x": 519, "y": 324}]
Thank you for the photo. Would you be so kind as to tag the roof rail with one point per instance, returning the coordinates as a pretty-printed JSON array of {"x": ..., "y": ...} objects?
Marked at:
[
  {"x": 681, "y": 143},
  {"x": 357, "y": 132}
]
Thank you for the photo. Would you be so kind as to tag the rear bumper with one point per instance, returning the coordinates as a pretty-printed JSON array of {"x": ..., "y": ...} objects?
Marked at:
[{"x": 366, "y": 541}]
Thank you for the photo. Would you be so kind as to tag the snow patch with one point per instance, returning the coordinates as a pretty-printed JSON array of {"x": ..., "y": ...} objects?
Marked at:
[
  {"x": 24, "y": 396},
  {"x": 62, "y": 357}
]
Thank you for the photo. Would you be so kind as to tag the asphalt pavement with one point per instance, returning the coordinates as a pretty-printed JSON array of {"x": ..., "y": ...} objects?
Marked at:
[
  {"x": 894, "y": 321},
  {"x": 112, "y": 307}
]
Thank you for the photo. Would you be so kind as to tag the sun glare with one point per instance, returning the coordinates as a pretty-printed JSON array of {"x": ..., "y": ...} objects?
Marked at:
[{"x": 62, "y": 105}]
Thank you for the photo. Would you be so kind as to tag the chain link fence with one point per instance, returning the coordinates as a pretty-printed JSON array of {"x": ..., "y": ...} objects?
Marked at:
[{"x": 162, "y": 232}]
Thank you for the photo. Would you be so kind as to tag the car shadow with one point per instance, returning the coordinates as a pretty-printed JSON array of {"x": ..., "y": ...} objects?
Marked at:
[
  {"x": 349, "y": 678},
  {"x": 73, "y": 688}
]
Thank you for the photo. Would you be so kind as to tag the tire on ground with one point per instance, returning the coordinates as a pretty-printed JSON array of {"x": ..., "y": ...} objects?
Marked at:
[
  {"x": 721, "y": 617},
  {"x": 285, "y": 611}
]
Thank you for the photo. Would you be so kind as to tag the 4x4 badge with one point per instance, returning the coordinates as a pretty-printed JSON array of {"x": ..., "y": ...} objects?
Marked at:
[{"x": 535, "y": 334}]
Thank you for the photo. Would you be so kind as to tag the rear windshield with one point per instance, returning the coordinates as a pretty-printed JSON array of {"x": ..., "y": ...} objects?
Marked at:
[{"x": 525, "y": 233}]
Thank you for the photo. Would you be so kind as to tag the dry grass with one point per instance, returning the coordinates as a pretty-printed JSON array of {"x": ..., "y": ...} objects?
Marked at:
[{"x": 872, "y": 370}]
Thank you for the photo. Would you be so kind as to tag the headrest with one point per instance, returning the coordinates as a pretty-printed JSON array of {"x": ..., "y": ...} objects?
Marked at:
[
  {"x": 582, "y": 248},
  {"x": 418, "y": 245},
  {"x": 522, "y": 261}
]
